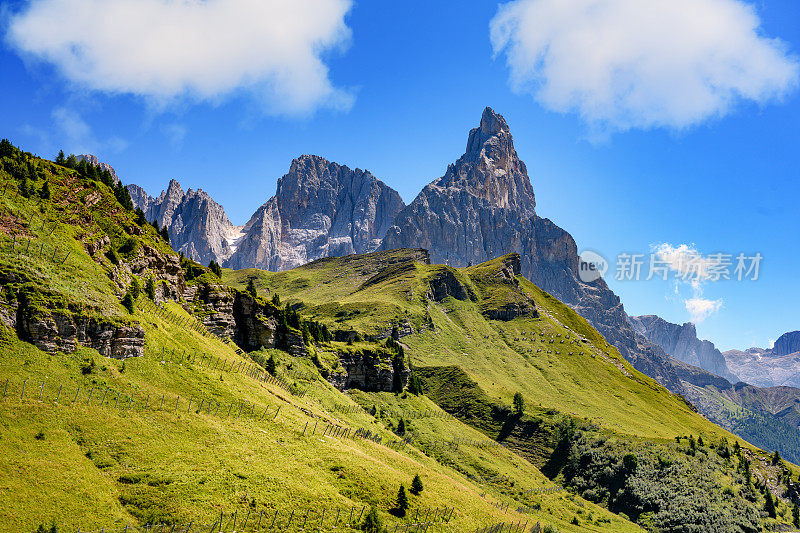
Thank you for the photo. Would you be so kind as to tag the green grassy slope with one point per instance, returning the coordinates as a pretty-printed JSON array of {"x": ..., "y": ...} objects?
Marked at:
[
  {"x": 544, "y": 357},
  {"x": 581, "y": 394},
  {"x": 96, "y": 442}
]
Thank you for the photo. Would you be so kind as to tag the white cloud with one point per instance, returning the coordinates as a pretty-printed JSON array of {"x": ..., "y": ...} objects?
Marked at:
[
  {"x": 202, "y": 49},
  {"x": 693, "y": 268},
  {"x": 624, "y": 64},
  {"x": 701, "y": 308}
]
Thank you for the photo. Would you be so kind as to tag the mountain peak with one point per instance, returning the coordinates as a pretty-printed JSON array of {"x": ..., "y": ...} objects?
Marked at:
[{"x": 492, "y": 125}]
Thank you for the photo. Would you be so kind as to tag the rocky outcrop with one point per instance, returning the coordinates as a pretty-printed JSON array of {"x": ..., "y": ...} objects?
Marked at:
[
  {"x": 788, "y": 343},
  {"x": 681, "y": 342},
  {"x": 321, "y": 209},
  {"x": 444, "y": 283},
  {"x": 92, "y": 159},
  {"x": 484, "y": 207},
  {"x": 370, "y": 370},
  {"x": 164, "y": 268},
  {"x": 40, "y": 318},
  {"x": 57, "y": 332},
  {"x": 198, "y": 226},
  {"x": 252, "y": 323}
]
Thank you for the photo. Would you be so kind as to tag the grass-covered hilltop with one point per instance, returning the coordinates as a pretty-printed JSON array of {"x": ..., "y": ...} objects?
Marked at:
[{"x": 364, "y": 393}]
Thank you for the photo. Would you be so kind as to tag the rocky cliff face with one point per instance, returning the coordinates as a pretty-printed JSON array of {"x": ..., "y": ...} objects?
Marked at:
[
  {"x": 370, "y": 370},
  {"x": 681, "y": 342},
  {"x": 321, "y": 209},
  {"x": 483, "y": 207},
  {"x": 198, "y": 226},
  {"x": 786, "y": 344},
  {"x": 92, "y": 159},
  {"x": 250, "y": 322}
]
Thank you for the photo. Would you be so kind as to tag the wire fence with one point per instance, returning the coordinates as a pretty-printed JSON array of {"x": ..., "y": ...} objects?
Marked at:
[
  {"x": 124, "y": 403},
  {"x": 314, "y": 519},
  {"x": 211, "y": 361},
  {"x": 510, "y": 527}
]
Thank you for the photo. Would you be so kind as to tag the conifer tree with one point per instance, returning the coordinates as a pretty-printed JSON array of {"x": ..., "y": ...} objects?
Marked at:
[
  {"x": 150, "y": 288},
  {"x": 402, "y": 501},
  {"x": 769, "y": 505},
  {"x": 271, "y": 365},
  {"x": 401, "y": 427},
  {"x": 251, "y": 288},
  {"x": 416, "y": 485},
  {"x": 127, "y": 302},
  {"x": 519, "y": 404}
]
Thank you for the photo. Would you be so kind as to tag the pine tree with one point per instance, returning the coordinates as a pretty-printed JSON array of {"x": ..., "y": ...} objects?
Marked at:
[
  {"x": 165, "y": 234},
  {"x": 415, "y": 385},
  {"x": 401, "y": 427},
  {"x": 44, "y": 193},
  {"x": 769, "y": 505},
  {"x": 136, "y": 288},
  {"x": 215, "y": 268},
  {"x": 700, "y": 441},
  {"x": 141, "y": 219},
  {"x": 776, "y": 458},
  {"x": 402, "y": 501},
  {"x": 251, "y": 288},
  {"x": 60, "y": 158},
  {"x": 796, "y": 515},
  {"x": 519, "y": 404},
  {"x": 276, "y": 300},
  {"x": 271, "y": 365},
  {"x": 416, "y": 485},
  {"x": 150, "y": 288},
  {"x": 127, "y": 302}
]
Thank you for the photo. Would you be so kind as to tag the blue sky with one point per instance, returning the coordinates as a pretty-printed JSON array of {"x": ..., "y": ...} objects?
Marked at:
[{"x": 394, "y": 87}]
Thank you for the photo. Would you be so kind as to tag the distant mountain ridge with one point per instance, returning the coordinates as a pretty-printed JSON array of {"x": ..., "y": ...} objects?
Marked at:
[
  {"x": 681, "y": 342},
  {"x": 320, "y": 209},
  {"x": 198, "y": 226},
  {"x": 769, "y": 367}
]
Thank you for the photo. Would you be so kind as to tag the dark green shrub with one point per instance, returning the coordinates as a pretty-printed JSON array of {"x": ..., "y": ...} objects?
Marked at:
[
  {"x": 127, "y": 302},
  {"x": 372, "y": 522}
]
